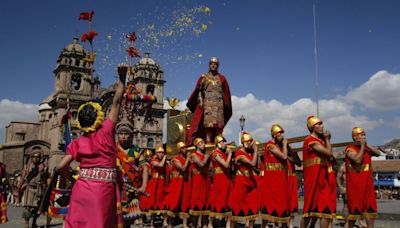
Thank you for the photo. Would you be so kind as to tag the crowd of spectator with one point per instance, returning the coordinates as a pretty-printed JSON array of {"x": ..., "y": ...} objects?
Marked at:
[{"x": 387, "y": 193}]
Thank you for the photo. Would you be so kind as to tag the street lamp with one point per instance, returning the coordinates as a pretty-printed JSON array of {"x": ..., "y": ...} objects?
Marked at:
[{"x": 242, "y": 120}]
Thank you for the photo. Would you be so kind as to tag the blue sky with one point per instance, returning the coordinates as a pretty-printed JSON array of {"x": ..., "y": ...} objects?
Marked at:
[{"x": 265, "y": 49}]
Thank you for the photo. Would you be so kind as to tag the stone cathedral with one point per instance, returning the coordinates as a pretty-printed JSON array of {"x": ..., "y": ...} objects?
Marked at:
[{"x": 74, "y": 85}]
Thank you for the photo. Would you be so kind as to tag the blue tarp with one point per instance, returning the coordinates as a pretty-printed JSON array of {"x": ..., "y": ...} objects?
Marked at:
[{"x": 384, "y": 182}]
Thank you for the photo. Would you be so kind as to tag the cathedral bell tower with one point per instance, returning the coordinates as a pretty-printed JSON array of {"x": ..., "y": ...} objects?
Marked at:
[
  {"x": 73, "y": 86},
  {"x": 149, "y": 79}
]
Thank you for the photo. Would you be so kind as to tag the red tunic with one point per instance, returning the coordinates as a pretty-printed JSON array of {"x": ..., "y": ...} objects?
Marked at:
[
  {"x": 319, "y": 182},
  {"x": 200, "y": 178},
  {"x": 157, "y": 187},
  {"x": 144, "y": 201},
  {"x": 243, "y": 199},
  {"x": 360, "y": 186},
  {"x": 275, "y": 196},
  {"x": 221, "y": 187},
  {"x": 293, "y": 192},
  {"x": 173, "y": 200}
]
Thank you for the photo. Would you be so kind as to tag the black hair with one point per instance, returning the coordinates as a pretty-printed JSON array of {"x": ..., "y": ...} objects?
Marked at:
[{"x": 87, "y": 116}]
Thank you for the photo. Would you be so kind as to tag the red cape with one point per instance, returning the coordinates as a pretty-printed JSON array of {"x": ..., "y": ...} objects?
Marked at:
[{"x": 196, "y": 127}]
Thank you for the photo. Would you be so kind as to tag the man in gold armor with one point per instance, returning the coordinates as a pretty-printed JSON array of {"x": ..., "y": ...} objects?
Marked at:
[{"x": 210, "y": 104}]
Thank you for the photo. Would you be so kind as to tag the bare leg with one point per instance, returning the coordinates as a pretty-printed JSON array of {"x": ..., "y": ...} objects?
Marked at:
[
  {"x": 185, "y": 222},
  {"x": 165, "y": 220},
  {"x": 251, "y": 224},
  {"x": 351, "y": 223},
  {"x": 325, "y": 223},
  {"x": 370, "y": 222},
  {"x": 304, "y": 222},
  {"x": 210, "y": 222},
  {"x": 264, "y": 223},
  {"x": 228, "y": 222},
  {"x": 291, "y": 222}
]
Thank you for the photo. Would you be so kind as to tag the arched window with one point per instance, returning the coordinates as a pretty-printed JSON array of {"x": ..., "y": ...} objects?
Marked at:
[
  {"x": 150, "y": 89},
  {"x": 76, "y": 80},
  {"x": 150, "y": 143}
]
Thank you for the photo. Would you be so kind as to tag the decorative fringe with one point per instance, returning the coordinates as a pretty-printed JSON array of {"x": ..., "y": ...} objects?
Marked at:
[
  {"x": 157, "y": 212},
  {"x": 370, "y": 215},
  {"x": 244, "y": 218},
  {"x": 274, "y": 218},
  {"x": 220, "y": 215},
  {"x": 319, "y": 215},
  {"x": 364, "y": 215},
  {"x": 198, "y": 213}
]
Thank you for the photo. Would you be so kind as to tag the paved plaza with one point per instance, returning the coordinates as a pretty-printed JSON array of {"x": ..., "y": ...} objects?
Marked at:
[{"x": 389, "y": 216}]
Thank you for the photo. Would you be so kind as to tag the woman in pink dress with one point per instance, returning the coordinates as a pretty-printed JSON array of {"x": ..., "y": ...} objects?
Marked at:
[{"x": 93, "y": 197}]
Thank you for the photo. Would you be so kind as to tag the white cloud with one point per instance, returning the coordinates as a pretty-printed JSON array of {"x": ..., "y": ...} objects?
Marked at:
[
  {"x": 337, "y": 115},
  {"x": 15, "y": 111},
  {"x": 380, "y": 92}
]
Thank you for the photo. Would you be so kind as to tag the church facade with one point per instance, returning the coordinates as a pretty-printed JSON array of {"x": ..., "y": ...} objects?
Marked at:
[{"x": 73, "y": 86}]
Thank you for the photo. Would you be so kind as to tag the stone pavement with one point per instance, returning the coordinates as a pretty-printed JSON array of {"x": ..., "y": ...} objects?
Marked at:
[{"x": 389, "y": 216}]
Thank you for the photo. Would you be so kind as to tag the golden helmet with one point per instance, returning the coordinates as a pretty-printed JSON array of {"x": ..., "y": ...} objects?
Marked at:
[
  {"x": 257, "y": 142},
  {"x": 356, "y": 131},
  {"x": 180, "y": 145},
  {"x": 197, "y": 141},
  {"x": 312, "y": 121},
  {"x": 246, "y": 137},
  {"x": 275, "y": 129},
  {"x": 148, "y": 153},
  {"x": 214, "y": 60},
  {"x": 160, "y": 149},
  {"x": 218, "y": 139}
]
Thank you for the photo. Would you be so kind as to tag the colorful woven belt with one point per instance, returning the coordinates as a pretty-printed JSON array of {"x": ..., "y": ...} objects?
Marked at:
[{"x": 98, "y": 174}]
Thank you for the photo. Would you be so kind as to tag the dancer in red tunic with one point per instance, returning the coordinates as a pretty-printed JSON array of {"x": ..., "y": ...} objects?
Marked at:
[
  {"x": 319, "y": 178},
  {"x": 157, "y": 183},
  {"x": 200, "y": 190},
  {"x": 275, "y": 198},
  {"x": 243, "y": 199},
  {"x": 359, "y": 180},
  {"x": 173, "y": 200},
  {"x": 222, "y": 181},
  {"x": 145, "y": 170}
]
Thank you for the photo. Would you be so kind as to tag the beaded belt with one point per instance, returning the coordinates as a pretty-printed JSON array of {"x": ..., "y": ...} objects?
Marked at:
[
  {"x": 274, "y": 166},
  {"x": 98, "y": 174},
  {"x": 314, "y": 161}
]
